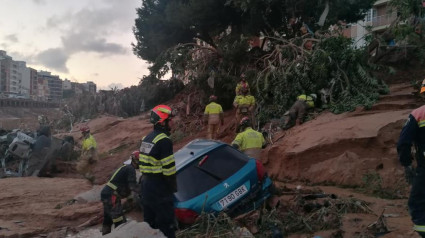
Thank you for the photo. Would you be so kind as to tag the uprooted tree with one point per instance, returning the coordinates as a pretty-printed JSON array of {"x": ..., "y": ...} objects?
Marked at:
[{"x": 285, "y": 47}]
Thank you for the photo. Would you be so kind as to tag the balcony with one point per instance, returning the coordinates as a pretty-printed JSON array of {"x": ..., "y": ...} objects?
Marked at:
[{"x": 381, "y": 22}]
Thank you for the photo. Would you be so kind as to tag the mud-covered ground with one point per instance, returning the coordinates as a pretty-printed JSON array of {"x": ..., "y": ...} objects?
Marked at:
[{"x": 332, "y": 152}]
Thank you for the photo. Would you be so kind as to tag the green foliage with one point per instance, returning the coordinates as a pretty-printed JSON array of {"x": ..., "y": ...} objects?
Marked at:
[
  {"x": 334, "y": 64},
  {"x": 163, "y": 24},
  {"x": 166, "y": 33}
]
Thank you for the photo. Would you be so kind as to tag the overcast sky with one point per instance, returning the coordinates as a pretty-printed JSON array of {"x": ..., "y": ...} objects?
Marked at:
[{"x": 81, "y": 40}]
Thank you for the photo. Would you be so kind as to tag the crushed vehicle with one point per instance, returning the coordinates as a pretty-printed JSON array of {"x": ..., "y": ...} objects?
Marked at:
[
  {"x": 213, "y": 177},
  {"x": 32, "y": 154}
]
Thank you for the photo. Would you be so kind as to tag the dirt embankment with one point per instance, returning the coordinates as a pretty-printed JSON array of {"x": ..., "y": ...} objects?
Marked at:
[{"x": 341, "y": 149}]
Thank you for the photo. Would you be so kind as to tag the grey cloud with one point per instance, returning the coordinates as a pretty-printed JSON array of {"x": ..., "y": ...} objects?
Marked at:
[
  {"x": 54, "y": 58},
  {"x": 83, "y": 42},
  {"x": 89, "y": 28},
  {"x": 12, "y": 38}
]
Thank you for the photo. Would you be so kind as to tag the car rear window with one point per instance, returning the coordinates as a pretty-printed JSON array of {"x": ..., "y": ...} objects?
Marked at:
[{"x": 207, "y": 171}]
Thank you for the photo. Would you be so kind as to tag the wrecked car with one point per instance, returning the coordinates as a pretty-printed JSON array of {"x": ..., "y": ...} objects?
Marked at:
[
  {"x": 213, "y": 177},
  {"x": 32, "y": 154}
]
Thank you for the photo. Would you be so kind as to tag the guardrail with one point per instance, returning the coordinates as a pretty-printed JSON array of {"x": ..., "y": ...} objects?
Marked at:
[{"x": 26, "y": 103}]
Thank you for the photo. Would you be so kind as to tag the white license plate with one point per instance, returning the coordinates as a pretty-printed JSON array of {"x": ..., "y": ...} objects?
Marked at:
[{"x": 233, "y": 196}]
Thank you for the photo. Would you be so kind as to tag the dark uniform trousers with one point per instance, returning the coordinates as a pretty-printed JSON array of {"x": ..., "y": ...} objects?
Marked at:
[
  {"x": 158, "y": 207},
  {"x": 112, "y": 208}
]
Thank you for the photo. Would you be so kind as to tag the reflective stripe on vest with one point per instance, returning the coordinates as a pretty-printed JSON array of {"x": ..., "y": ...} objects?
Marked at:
[
  {"x": 118, "y": 219},
  {"x": 149, "y": 164},
  {"x": 109, "y": 183},
  {"x": 419, "y": 228}
]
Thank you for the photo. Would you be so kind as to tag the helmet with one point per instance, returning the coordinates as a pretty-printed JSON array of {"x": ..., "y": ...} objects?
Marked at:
[
  {"x": 314, "y": 96},
  {"x": 213, "y": 98},
  {"x": 85, "y": 129},
  {"x": 160, "y": 113},
  {"x": 245, "y": 122}
]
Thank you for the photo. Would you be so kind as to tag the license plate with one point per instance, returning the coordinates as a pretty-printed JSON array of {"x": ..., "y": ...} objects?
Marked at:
[{"x": 233, "y": 196}]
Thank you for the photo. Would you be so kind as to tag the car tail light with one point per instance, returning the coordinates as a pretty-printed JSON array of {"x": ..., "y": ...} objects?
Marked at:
[
  {"x": 186, "y": 216},
  {"x": 260, "y": 170}
]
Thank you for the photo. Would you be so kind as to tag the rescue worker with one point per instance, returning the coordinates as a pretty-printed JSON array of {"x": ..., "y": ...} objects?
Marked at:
[
  {"x": 244, "y": 105},
  {"x": 422, "y": 88},
  {"x": 213, "y": 115},
  {"x": 120, "y": 185},
  {"x": 88, "y": 156},
  {"x": 158, "y": 170},
  {"x": 413, "y": 133},
  {"x": 249, "y": 141},
  {"x": 241, "y": 84},
  {"x": 299, "y": 110}
]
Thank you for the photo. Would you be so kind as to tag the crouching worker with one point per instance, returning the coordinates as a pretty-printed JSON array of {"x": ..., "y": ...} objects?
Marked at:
[
  {"x": 120, "y": 185},
  {"x": 249, "y": 141},
  {"x": 299, "y": 110}
]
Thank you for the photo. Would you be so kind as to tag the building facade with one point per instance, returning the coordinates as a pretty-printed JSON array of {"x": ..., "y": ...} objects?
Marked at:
[{"x": 377, "y": 20}]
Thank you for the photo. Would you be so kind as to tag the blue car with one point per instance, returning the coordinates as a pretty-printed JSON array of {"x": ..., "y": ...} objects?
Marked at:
[{"x": 213, "y": 177}]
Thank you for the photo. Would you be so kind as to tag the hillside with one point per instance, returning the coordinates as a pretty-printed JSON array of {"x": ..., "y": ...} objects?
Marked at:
[{"x": 331, "y": 152}]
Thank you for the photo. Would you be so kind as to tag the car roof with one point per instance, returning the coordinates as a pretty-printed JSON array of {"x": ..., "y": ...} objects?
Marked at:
[{"x": 193, "y": 150}]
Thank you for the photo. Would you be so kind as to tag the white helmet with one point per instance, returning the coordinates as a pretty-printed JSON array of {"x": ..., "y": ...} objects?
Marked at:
[{"x": 314, "y": 96}]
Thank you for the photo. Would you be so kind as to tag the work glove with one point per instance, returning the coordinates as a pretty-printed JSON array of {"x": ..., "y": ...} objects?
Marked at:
[{"x": 409, "y": 174}]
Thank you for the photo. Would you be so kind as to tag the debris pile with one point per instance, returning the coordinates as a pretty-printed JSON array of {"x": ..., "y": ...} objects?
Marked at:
[{"x": 302, "y": 211}]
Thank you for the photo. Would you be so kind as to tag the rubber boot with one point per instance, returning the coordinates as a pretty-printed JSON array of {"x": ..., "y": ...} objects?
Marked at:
[{"x": 106, "y": 229}]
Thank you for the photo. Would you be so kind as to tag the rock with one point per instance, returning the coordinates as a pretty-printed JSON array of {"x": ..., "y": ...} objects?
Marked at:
[
  {"x": 135, "y": 229},
  {"x": 92, "y": 195}
]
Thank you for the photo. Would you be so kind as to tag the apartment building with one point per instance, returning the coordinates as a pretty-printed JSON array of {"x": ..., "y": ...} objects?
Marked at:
[
  {"x": 54, "y": 84},
  {"x": 18, "y": 80},
  {"x": 33, "y": 83},
  {"x": 5, "y": 63},
  {"x": 377, "y": 20}
]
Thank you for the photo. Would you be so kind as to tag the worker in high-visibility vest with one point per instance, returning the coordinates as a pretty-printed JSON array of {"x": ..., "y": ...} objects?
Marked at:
[
  {"x": 120, "y": 185},
  {"x": 158, "y": 169},
  {"x": 249, "y": 141},
  {"x": 213, "y": 115},
  {"x": 299, "y": 110}
]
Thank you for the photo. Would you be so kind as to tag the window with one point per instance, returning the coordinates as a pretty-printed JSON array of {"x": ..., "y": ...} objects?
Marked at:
[{"x": 208, "y": 171}]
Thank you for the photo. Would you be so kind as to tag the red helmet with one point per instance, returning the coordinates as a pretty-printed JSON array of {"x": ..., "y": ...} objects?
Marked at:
[
  {"x": 160, "y": 113},
  {"x": 213, "y": 98},
  {"x": 135, "y": 156},
  {"x": 85, "y": 129}
]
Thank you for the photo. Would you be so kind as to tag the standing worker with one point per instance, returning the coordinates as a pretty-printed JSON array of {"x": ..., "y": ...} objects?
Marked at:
[
  {"x": 299, "y": 110},
  {"x": 158, "y": 170},
  {"x": 213, "y": 115},
  {"x": 120, "y": 185},
  {"x": 244, "y": 105},
  {"x": 249, "y": 141},
  {"x": 413, "y": 133},
  {"x": 88, "y": 156},
  {"x": 243, "y": 83}
]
